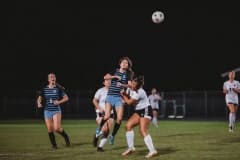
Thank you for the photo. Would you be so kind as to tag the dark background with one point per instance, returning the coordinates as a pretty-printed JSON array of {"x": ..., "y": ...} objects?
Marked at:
[{"x": 80, "y": 43}]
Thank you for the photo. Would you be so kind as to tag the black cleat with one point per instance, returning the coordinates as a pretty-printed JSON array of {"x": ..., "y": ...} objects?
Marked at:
[
  {"x": 54, "y": 147},
  {"x": 67, "y": 141},
  {"x": 100, "y": 149},
  {"x": 68, "y": 144},
  {"x": 95, "y": 140}
]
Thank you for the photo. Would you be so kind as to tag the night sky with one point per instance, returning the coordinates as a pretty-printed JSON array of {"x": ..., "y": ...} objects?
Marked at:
[{"x": 188, "y": 51}]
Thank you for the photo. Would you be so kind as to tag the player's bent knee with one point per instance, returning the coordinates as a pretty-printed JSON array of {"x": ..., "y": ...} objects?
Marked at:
[
  {"x": 50, "y": 130},
  {"x": 143, "y": 132},
  {"x": 128, "y": 127},
  {"x": 57, "y": 129},
  {"x": 119, "y": 120}
]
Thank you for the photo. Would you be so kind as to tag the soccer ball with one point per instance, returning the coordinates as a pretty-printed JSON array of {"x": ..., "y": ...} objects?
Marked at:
[{"x": 157, "y": 17}]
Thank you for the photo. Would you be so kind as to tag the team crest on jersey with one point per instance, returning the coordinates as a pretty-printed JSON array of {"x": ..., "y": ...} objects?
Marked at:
[
  {"x": 54, "y": 91},
  {"x": 124, "y": 76}
]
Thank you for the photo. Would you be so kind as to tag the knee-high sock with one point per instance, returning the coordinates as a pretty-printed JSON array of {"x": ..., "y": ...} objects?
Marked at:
[
  {"x": 234, "y": 118},
  {"x": 130, "y": 139},
  {"x": 65, "y": 136},
  {"x": 116, "y": 128},
  {"x": 149, "y": 143},
  {"x": 102, "y": 123},
  {"x": 52, "y": 138},
  {"x": 230, "y": 119},
  {"x": 102, "y": 142},
  {"x": 154, "y": 119}
]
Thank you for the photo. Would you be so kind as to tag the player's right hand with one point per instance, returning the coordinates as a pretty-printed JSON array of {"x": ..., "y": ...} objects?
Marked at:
[
  {"x": 40, "y": 105},
  {"x": 118, "y": 77}
]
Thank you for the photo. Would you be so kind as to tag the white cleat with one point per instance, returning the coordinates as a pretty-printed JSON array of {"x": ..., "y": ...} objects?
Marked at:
[
  {"x": 128, "y": 151},
  {"x": 155, "y": 124},
  {"x": 151, "y": 154},
  {"x": 230, "y": 129},
  {"x": 99, "y": 134}
]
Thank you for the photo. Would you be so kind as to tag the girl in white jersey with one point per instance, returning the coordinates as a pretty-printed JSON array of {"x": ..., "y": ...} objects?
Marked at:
[
  {"x": 142, "y": 116},
  {"x": 154, "y": 99},
  {"x": 231, "y": 88},
  {"x": 99, "y": 101}
]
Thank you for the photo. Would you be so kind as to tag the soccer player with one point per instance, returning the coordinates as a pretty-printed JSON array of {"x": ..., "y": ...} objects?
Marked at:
[
  {"x": 99, "y": 104},
  {"x": 137, "y": 97},
  {"x": 51, "y": 98},
  {"x": 120, "y": 79},
  {"x": 231, "y": 88},
  {"x": 154, "y": 99}
]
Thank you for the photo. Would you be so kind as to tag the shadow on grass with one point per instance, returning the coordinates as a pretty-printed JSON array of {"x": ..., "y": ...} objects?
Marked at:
[
  {"x": 231, "y": 140},
  {"x": 142, "y": 150},
  {"x": 80, "y": 144},
  {"x": 182, "y": 134},
  {"x": 161, "y": 151},
  {"x": 226, "y": 141},
  {"x": 125, "y": 147}
]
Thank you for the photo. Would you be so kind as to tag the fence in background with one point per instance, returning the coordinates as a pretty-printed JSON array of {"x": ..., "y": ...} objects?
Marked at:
[{"x": 180, "y": 104}]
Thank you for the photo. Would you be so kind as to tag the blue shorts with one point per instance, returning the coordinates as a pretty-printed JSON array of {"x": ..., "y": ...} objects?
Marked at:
[
  {"x": 50, "y": 114},
  {"x": 115, "y": 101}
]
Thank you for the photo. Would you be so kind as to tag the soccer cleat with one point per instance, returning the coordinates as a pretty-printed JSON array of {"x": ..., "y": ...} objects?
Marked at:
[
  {"x": 98, "y": 130},
  {"x": 54, "y": 147},
  {"x": 155, "y": 123},
  {"x": 98, "y": 134},
  {"x": 128, "y": 151},
  {"x": 95, "y": 140},
  {"x": 68, "y": 143},
  {"x": 151, "y": 154},
  {"x": 111, "y": 140},
  {"x": 230, "y": 129},
  {"x": 100, "y": 149}
]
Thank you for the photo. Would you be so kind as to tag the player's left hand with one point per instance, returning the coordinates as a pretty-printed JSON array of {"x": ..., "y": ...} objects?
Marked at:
[
  {"x": 235, "y": 90},
  {"x": 119, "y": 84},
  {"x": 56, "y": 102}
]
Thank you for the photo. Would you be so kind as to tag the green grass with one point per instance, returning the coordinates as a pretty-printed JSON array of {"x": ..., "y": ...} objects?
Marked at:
[{"x": 174, "y": 140}]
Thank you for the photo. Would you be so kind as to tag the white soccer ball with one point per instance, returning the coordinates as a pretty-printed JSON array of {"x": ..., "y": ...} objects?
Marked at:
[{"x": 157, "y": 17}]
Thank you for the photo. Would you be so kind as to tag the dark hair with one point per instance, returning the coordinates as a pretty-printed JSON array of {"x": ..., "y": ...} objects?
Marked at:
[
  {"x": 130, "y": 71},
  {"x": 139, "y": 79},
  {"x": 129, "y": 62},
  {"x": 51, "y": 73}
]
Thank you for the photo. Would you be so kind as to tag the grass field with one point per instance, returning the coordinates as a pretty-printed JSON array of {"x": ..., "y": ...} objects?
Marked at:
[{"x": 174, "y": 140}]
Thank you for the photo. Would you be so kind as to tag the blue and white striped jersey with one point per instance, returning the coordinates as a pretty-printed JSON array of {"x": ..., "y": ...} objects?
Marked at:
[
  {"x": 51, "y": 94},
  {"x": 115, "y": 89}
]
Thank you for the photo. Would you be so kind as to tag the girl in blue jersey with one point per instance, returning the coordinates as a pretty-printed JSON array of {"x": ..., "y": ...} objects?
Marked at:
[
  {"x": 120, "y": 79},
  {"x": 51, "y": 98}
]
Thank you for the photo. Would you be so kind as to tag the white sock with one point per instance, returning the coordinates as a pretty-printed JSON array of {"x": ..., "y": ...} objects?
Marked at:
[
  {"x": 102, "y": 142},
  {"x": 130, "y": 138},
  {"x": 234, "y": 118},
  {"x": 230, "y": 119},
  {"x": 154, "y": 119},
  {"x": 149, "y": 143}
]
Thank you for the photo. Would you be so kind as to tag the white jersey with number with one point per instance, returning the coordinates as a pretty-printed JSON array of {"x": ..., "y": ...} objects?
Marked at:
[
  {"x": 141, "y": 97},
  {"x": 101, "y": 95},
  {"x": 154, "y": 101},
  {"x": 231, "y": 96}
]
